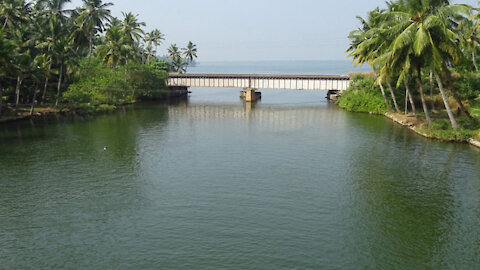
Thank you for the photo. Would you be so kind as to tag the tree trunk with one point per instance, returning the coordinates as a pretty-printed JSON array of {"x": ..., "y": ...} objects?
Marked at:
[
  {"x": 17, "y": 92},
  {"x": 1, "y": 100},
  {"x": 445, "y": 101},
  {"x": 393, "y": 96},
  {"x": 90, "y": 40},
  {"x": 406, "y": 102},
  {"x": 59, "y": 86},
  {"x": 5, "y": 23},
  {"x": 44, "y": 90},
  {"x": 431, "y": 90},
  {"x": 33, "y": 100},
  {"x": 473, "y": 59},
  {"x": 410, "y": 97},
  {"x": 385, "y": 97},
  {"x": 422, "y": 97},
  {"x": 454, "y": 92}
]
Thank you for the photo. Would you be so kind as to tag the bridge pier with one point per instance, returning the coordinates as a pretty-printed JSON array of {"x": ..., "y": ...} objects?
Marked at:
[
  {"x": 333, "y": 94},
  {"x": 250, "y": 94}
]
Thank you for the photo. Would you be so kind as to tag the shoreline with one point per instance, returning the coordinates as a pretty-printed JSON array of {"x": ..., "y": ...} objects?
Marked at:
[{"x": 404, "y": 121}]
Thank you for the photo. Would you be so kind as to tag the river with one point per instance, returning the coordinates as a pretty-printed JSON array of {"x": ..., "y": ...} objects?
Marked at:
[{"x": 292, "y": 182}]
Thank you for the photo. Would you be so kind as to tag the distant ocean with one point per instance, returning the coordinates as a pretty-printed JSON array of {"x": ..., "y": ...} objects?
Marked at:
[{"x": 342, "y": 67}]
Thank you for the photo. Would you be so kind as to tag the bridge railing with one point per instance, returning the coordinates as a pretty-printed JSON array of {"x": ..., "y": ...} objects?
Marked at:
[{"x": 261, "y": 81}]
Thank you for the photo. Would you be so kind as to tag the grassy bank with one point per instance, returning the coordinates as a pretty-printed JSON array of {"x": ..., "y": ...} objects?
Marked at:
[{"x": 364, "y": 95}]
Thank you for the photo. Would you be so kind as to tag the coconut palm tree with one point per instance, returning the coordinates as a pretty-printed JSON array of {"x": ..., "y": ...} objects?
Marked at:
[
  {"x": 115, "y": 49},
  {"x": 62, "y": 51},
  {"x": 6, "y": 52},
  {"x": 40, "y": 69},
  {"x": 173, "y": 51},
  {"x": 50, "y": 34},
  {"x": 190, "y": 52},
  {"x": 178, "y": 62},
  {"x": 54, "y": 9},
  {"x": 13, "y": 12},
  {"x": 92, "y": 16},
  {"x": 132, "y": 28},
  {"x": 367, "y": 44},
  {"x": 424, "y": 39},
  {"x": 155, "y": 38}
]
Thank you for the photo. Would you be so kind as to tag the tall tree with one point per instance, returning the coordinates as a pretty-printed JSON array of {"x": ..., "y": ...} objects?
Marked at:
[
  {"x": 190, "y": 52},
  {"x": 155, "y": 38},
  {"x": 13, "y": 12},
  {"x": 92, "y": 16},
  {"x": 115, "y": 49},
  {"x": 6, "y": 52},
  {"x": 132, "y": 28},
  {"x": 425, "y": 38}
]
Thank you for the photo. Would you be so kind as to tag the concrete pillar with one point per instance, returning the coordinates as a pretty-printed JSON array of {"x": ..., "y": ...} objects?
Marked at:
[{"x": 250, "y": 95}]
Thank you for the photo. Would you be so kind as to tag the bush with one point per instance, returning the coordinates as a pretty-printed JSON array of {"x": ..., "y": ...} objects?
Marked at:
[
  {"x": 468, "y": 85},
  {"x": 147, "y": 82},
  {"x": 363, "y": 95},
  {"x": 96, "y": 84}
]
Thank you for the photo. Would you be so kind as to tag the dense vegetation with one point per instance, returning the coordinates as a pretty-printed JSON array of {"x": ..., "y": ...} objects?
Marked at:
[
  {"x": 75, "y": 57},
  {"x": 425, "y": 51},
  {"x": 364, "y": 96}
]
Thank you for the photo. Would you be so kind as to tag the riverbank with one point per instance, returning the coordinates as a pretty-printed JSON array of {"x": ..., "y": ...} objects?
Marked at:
[
  {"x": 23, "y": 112},
  {"x": 417, "y": 126},
  {"x": 364, "y": 95}
]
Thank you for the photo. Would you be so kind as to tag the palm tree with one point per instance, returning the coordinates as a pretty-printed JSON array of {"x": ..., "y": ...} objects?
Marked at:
[
  {"x": 173, "y": 51},
  {"x": 425, "y": 39},
  {"x": 115, "y": 48},
  {"x": 367, "y": 44},
  {"x": 40, "y": 69},
  {"x": 131, "y": 27},
  {"x": 178, "y": 63},
  {"x": 62, "y": 50},
  {"x": 49, "y": 36},
  {"x": 155, "y": 37},
  {"x": 91, "y": 18},
  {"x": 190, "y": 52},
  {"x": 54, "y": 9},
  {"x": 6, "y": 52},
  {"x": 13, "y": 12}
]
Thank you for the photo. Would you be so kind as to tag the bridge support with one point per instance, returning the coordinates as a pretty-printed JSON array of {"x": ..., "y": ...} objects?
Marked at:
[
  {"x": 250, "y": 94},
  {"x": 333, "y": 94}
]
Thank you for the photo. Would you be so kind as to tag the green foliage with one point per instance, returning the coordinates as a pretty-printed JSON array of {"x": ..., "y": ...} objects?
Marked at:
[
  {"x": 161, "y": 65},
  {"x": 363, "y": 95},
  {"x": 441, "y": 129},
  {"x": 97, "y": 84},
  {"x": 468, "y": 85},
  {"x": 146, "y": 81}
]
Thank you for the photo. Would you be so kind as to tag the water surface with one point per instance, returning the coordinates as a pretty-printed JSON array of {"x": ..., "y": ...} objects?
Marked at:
[{"x": 211, "y": 183}]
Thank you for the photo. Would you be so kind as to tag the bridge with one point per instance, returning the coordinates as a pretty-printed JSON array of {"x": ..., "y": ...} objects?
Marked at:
[{"x": 251, "y": 82}]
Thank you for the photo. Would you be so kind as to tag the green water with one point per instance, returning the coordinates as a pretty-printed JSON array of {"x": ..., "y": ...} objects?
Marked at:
[{"x": 292, "y": 183}]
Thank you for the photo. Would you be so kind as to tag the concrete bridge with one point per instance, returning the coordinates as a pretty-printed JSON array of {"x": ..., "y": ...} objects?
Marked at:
[{"x": 251, "y": 82}]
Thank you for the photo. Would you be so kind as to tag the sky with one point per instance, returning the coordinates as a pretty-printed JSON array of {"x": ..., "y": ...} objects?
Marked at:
[{"x": 254, "y": 30}]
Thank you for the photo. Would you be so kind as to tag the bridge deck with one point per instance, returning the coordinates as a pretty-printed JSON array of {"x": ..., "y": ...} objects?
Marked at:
[{"x": 268, "y": 81}]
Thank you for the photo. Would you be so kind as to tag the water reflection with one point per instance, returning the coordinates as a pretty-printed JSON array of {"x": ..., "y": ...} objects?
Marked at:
[
  {"x": 404, "y": 203},
  {"x": 284, "y": 185}
]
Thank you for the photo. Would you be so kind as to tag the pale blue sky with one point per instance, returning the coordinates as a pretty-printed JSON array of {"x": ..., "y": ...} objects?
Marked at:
[{"x": 245, "y": 30}]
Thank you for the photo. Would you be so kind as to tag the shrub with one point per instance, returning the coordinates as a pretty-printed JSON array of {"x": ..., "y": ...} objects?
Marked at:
[
  {"x": 93, "y": 83},
  {"x": 363, "y": 95},
  {"x": 97, "y": 84},
  {"x": 146, "y": 81},
  {"x": 468, "y": 85}
]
